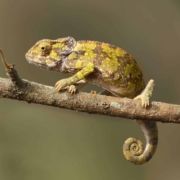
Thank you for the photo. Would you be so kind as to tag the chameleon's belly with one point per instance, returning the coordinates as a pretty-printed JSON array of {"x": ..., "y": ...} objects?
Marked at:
[{"x": 119, "y": 87}]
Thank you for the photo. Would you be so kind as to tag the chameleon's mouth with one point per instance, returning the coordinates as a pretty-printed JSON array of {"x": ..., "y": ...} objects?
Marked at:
[
  {"x": 41, "y": 62},
  {"x": 36, "y": 61}
]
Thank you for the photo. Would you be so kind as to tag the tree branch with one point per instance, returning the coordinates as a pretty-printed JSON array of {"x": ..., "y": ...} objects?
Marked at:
[{"x": 37, "y": 93}]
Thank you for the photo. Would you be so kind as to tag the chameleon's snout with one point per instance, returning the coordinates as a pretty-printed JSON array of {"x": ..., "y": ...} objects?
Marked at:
[
  {"x": 28, "y": 56},
  {"x": 32, "y": 59},
  {"x": 37, "y": 59}
]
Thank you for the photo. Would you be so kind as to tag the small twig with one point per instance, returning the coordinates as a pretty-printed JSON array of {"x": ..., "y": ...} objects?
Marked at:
[
  {"x": 11, "y": 72},
  {"x": 91, "y": 103}
]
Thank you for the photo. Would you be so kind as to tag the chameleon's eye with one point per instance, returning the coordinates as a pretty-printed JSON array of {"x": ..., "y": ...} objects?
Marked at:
[{"x": 45, "y": 50}]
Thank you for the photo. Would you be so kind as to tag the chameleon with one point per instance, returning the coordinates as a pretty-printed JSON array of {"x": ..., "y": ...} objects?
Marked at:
[{"x": 107, "y": 66}]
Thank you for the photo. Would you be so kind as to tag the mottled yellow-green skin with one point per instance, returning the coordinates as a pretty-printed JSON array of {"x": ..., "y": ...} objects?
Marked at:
[{"x": 103, "y": 64}]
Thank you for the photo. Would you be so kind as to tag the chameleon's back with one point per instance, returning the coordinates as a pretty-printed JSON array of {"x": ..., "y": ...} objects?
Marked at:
[{"x": 117, "y": 70}]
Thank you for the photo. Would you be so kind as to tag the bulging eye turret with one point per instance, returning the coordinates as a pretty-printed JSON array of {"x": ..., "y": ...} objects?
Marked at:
[{"x": 45, "y": 50}]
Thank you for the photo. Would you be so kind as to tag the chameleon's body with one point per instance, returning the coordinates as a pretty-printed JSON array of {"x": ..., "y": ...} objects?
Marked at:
[{"x": 105, "y": 65}]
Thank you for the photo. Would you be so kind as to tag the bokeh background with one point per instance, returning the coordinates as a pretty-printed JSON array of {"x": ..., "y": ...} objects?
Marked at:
[{"x": 39, "y": 142}]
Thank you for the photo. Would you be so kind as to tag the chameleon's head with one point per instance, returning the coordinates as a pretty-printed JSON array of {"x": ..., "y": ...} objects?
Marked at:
[{"x": 50, "y": 53}]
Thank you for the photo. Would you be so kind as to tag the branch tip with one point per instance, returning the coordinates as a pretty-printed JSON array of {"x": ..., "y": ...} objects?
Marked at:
[{"x": 11, "y": 71}]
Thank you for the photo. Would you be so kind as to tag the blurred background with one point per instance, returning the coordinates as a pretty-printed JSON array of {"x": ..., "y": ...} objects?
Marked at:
[{"x": 40, "y": 142}]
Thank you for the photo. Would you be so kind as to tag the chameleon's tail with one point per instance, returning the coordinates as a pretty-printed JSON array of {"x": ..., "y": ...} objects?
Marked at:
[{"x": 133, "y": 148}]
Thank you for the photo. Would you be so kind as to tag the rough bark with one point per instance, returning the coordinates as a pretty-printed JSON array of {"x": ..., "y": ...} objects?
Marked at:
[{"x": 33, "y": 92}]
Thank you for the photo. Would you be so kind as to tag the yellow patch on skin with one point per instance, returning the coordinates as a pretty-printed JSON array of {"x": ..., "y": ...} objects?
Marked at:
[
  {"x": 72, "y": 56},
  {"x": 79, "y": 64},
  {"x": 88, "y": 46},
  {"x": 110, "y": 65},
  {"x": 90, "y": 67},
  {"x": 53, "y": 54},
  {"x": 89, "y": 55},
  {"x": 85, "y": 71},
  {"x": 120, "y": 52},
  {"x": 58, "y": 45},
  {"x": 112, "y": 51},
  {"x": 80, "y": 75}
]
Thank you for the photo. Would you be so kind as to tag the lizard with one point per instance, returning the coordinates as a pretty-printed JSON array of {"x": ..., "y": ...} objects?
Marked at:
[{"x": 108, "y": 66}]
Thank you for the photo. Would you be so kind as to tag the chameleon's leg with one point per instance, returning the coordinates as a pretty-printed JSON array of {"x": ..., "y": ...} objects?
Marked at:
[
  {"x": 80, "y": 75},
  {"x": 73, "y": 88},
  {"x": 133, "y": 148}
]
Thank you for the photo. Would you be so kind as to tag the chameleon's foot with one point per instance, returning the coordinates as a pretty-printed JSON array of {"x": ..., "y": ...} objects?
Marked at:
[
  {"x": 144, "y": 100},
  {"x": 72, "y": 89},
  {"x": 146, "y": 94},
  {"x": 61, "y": 85}
]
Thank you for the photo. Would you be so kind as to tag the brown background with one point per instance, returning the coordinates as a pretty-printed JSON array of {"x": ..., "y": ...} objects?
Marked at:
[{"x": 39, "y": 142}]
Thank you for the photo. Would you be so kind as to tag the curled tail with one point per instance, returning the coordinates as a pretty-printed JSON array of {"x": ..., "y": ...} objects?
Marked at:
[{"x": 133, "y": 149}]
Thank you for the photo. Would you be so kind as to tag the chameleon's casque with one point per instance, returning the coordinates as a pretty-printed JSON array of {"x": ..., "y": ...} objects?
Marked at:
[{"x": 105, "y": 65}]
